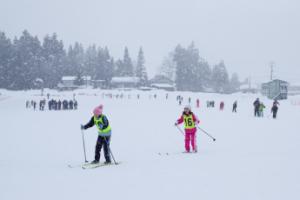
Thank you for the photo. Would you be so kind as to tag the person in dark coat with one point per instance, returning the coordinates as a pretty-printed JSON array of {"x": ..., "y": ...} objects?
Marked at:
[
  {"x": 256, "y": 105},
  {"x": 75, "y": 104},
  {"x": 222, "y": 106},
  {"x": 71, "y": 105},
  {"x": 234, "y": 106},
  {"x": 274, "y": 109}
]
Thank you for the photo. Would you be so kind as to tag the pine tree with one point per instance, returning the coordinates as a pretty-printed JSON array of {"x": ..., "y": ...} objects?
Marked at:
[
  {"x": 54, "y": 57},
  {"x": 6, "y": 53},
  {"x": 75, "y": 63},
  {"x": 179, "y": 59},
  {"x": 168, "y": 67},
  {"x": 234, "y": 82},
  {"x": 127, "y": 66},
  {"x": 188, "y": 69},
  {"x": 26, "y": 64},
  {"x": 91, "y": 61},
  {"x": 141, "y": 72},
  {"x": 220, "y": 80}
]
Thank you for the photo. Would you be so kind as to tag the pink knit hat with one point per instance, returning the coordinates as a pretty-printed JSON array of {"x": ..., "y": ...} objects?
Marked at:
[{"x": 98, "y": 110}]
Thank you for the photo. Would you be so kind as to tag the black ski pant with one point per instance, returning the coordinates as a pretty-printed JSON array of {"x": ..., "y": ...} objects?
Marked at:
[
  {"x": 102, "y": 141},
  {"x": 256, "y": 112},
  {"x": 274, "y": 114}
]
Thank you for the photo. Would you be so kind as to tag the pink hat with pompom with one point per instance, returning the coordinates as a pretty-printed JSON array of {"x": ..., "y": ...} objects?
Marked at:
[{"x": 98, "y": 110}]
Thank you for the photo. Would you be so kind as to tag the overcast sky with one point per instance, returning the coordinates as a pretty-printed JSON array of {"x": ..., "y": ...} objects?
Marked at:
[{"x": 247, "y": 35}]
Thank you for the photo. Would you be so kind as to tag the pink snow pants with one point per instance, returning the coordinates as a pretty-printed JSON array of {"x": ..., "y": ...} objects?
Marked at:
[{"x": 190, "y": 138}]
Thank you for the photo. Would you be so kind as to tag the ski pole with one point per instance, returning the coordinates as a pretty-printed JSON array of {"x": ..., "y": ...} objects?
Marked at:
[
  {"x": 214, "y": 139},
  {"x": 180, "y": 130},
  {"x": 83, "y": 143},
  {"x": 110, "y": 151}
]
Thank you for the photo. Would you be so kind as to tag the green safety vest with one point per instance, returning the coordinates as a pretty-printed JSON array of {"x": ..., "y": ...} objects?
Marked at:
[
  {"x": 98, "y": 121},
  {"x": 188, "y": 122}
]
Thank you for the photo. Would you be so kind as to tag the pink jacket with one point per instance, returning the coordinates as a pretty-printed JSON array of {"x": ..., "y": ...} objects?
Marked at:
[{"x": 195, "y": 119}]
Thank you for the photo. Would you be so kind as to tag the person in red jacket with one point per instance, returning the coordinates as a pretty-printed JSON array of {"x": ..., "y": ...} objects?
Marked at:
[
  {"x": 198, "y": 103},
  {"x": 190, "y": 121}
]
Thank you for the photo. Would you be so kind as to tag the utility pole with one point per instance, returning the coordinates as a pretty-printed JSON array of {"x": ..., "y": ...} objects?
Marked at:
[{"x": 272, "y": 70}]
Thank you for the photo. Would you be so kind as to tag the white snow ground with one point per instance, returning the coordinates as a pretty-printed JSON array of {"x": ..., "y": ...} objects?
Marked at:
[{"x": 253, "y": 158}]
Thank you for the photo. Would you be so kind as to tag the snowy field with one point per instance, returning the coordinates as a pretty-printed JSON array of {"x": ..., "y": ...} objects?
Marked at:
[{"x": 253, "y": 158}]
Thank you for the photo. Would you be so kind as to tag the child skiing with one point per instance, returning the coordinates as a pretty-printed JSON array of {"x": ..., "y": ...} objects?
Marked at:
[
  {"x": 104, "y": 133},
  {"x": 261, "y": 109},
  {"x": 190, "y": 120},
  {"x": 197, "y": 103},
  {"x": 274, "y": 109},
  {"x": 222, "y": 106},
  {"x": 234, "y": 106}
]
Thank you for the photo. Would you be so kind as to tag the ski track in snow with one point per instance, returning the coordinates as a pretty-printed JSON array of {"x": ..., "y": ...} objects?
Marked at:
[{"x": 253, "y": 158}]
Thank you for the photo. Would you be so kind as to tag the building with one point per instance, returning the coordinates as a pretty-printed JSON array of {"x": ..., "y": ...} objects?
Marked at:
[
  {"x": 69, "y": 82},
  {"x": 99, "y": 84},
  {"x": 162, "y": 82},
  {"x": 294, "y": 89},
  {"x": 125, "y": 82},
  {"x": 163, "y": 86},
  {"x": 275, "y": 89}
]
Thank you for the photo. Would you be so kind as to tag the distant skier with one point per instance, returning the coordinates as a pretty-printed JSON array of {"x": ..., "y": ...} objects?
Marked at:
[
  {"x": 197, "y": 103},
  {"x": 34, "y": 105},
  {"x": 104, "y": 133},
  {"x": 190, "y": 120},
  {"x": 234, "y": 106},
  {"x": 27, "y": 104},
  {"x": 274, "y": 109},
  {"x": 261, "y": 109},
  {"x": 222, "y": 106},
  {"x": 256, "y": 104},
  {"x": 71, "y": 104},
  {"x": 75, "y": 105}
]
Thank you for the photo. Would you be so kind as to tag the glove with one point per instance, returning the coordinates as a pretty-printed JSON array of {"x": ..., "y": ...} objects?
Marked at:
[{"x": 81, "y": 127}]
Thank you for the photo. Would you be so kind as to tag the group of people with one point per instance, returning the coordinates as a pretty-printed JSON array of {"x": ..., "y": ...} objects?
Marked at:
[
  {"x": 62, "y": 105},
  {"x": 53, "y": 104},
  {"x": 188, "y": 118},
  {"x": 259, "y": 108}
]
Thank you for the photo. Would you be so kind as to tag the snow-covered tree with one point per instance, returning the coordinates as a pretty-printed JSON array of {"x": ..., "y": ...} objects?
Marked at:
[
  {"x": 26, "y": 62},
  {"x": 6, "y": 53},
  {"x": 54, "y": 57},
  {"x": 220, "y": 80},
  {"x": 141, "y": 69}
]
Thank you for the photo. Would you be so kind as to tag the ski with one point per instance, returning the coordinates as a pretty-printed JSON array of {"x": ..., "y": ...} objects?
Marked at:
[
  {"x": 77, "y": 165},
  {"x": 163, "y": 154},
  {"x": 93, "y": 166},
  {"x": 90, "y": 165},
  {"x": 175, "y": 153}
]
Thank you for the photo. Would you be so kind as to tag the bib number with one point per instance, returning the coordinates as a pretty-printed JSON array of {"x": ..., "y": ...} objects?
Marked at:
[{"x": 188, "y": 122}]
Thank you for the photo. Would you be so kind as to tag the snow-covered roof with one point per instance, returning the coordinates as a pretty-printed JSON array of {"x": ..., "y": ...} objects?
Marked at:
[
  {"x": 125, "y": 79},
  {"x": 162, "y": 85},
  {"x": 87, "y": 78},
  {"x": 68, "y": 78},
  {"x": 73, "y": 78},
  {"x": 98, "y": 81}
]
